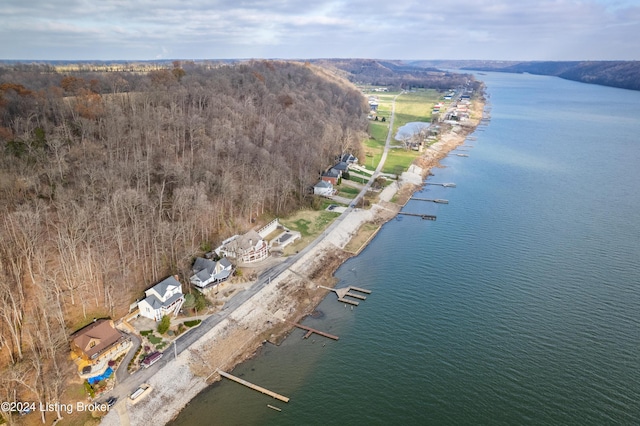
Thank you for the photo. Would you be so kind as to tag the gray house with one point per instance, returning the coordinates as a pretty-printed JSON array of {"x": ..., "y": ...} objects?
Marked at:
[{"x": 208, "y": 273}]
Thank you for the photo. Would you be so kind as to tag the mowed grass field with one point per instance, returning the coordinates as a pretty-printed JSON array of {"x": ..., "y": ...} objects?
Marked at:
[{"x": 410, "y": 107}]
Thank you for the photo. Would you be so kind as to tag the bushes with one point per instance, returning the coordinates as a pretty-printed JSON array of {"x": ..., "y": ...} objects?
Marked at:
[
  {"x": 89, "y": 389},
  {"x": 153, "y": 339},
  {"x": 192, "y": 323},
  {"x": 164, "y": 325}
]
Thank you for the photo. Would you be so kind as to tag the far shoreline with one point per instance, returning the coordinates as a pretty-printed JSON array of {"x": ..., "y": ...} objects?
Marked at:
[{"x": 288, "y": 298}]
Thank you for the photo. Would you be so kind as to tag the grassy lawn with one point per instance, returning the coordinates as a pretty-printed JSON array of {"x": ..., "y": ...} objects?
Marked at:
[
  {"x": 358, "y": 179},
  {"x": 410, "y": 107},
  {"x": 348, "y": 191},
  {"x": 310, "y": 223},
  {"x": 365, "y": 232}
]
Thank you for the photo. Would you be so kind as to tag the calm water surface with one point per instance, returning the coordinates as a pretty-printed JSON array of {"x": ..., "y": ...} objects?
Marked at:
[{"x": 519, "y": 305}]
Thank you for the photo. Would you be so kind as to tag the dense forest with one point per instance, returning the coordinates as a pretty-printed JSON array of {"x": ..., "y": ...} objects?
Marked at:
[{"x": 109, "y": 181}]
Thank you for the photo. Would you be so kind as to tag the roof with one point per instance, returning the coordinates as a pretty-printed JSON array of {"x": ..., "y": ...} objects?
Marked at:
[
  {"x": 323, "y": 184},
  {"x": 331, "y": 173},
  {"x": 246, "y": 241},
  {"x": 202, "y": 264},
  {"x": 348, "y": 158},
  {"x": 156, "y": 303},
  {"x": 205, "y": 269},
  {"x": 341, "y": 166},
  {"x": 164, "y": 286},
  {"x": 101, "y": 333}
]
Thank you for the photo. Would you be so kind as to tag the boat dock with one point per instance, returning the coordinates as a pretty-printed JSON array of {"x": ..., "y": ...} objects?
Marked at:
[
  {"x": 254, "y": 387},
  {"x": 346, "y": 292},
  {"x": 433, "y": 200},
  {"x": 445, "y": 185},
  {"x": 420, "y": 215},
  {"x": 310, "y": 331}
]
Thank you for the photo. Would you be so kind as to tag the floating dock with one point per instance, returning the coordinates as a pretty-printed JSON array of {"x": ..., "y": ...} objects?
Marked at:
[
  {"x": 310, "y": 331},
  {"x": 254, "y": 387},
  {"x": 433, "y": 200},
  {"x": 420, "y": 215},
  {"x": 346, "y": 292},
  {"x": 446, "y": 185}
]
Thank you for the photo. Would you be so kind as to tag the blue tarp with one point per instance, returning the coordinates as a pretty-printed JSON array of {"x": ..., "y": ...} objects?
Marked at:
[{"x": 105, "y": 375}]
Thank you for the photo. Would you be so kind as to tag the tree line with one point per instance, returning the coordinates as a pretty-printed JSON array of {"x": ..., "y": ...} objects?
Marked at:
[{"x": 110, "y": 181}]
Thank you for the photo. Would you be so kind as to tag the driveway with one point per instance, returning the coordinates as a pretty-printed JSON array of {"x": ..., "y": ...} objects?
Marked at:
[{"x": 123, "y": 370}]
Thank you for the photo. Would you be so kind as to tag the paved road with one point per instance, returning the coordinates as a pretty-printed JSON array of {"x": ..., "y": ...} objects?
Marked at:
[
  {"x": 383, "y": 158},
  {"x": 129, "y": 383}
]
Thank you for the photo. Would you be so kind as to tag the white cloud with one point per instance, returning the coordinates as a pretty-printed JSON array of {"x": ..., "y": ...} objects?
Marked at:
[{"x": 479, "y": 29}]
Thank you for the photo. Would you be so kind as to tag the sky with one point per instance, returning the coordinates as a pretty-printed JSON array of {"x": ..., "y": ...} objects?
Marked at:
[{"x": 301, "y": 29}]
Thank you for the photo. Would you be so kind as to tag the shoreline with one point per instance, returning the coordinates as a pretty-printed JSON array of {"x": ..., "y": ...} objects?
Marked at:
[{"x": 267, "y": 316}]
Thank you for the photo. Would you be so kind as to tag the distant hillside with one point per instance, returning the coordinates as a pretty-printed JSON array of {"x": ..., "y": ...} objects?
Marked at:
[
  {"x": 394, "y": 74},
  {"x": 622, "y": 74}
]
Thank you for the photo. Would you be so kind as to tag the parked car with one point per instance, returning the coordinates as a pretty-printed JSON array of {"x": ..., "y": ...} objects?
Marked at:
[
  {"x": 112, "y": 401},
  {"x": 151, "y": 359}
]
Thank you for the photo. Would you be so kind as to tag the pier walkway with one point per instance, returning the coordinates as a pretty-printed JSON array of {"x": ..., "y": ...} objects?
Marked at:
[
  {"x": 254, "y": 387},
  {"x": 343, "y": 292}
]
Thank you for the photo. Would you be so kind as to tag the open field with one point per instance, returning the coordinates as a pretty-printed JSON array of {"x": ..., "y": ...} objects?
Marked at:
[{"x": 410, "y": 107}]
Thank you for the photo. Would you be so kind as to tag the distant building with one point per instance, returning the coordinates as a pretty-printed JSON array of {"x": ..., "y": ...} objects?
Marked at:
[
  {"x": 331, "y": 176},
  {"x": 349, "y": 159},
  {"x": 341, "y": 167},
  {"x": 323, "y": 188}
]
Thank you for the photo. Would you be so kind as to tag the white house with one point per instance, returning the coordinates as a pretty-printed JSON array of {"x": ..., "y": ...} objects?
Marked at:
[
  {"x": 164, "y": 298},
  {"x": 207, "y": 273},
  {"x": 323, "y": 188}
]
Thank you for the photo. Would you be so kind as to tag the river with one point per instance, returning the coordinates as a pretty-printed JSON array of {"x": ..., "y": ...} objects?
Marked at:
[{"x": 518, "y": 305}]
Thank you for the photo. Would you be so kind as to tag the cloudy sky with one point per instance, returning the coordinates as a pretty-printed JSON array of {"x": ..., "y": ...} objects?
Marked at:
[{"x": 392, "y": 29}]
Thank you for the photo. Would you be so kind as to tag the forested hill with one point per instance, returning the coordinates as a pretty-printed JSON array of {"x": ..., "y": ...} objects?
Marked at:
[
  {"x": 111, "y": 181},
  {"x": 622, "y": 74},
  {"x": 395, "y": 74}
]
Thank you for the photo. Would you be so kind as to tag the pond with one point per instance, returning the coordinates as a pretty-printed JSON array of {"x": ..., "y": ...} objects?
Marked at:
[{"x": 410, "y": 129}]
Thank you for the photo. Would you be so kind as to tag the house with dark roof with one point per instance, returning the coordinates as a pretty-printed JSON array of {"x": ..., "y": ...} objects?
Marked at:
[
  {"x": 332, "y": 175},
  {"x": 349, "y": 159},
  {"x": 164, "y": 298},
  {"x": 341, "y": 167},
  {"x": 208, "y": 273}
]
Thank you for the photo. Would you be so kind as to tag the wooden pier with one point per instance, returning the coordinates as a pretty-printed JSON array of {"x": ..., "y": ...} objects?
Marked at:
[
  {"x": 433, "y": 200},
  {"x": 310, "y": 331},
  {"x": 254, "y": 387},
  {"x": 445, "y": 185},
  {"x": 420, "y": 215}
]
